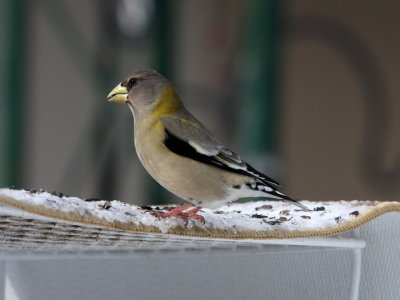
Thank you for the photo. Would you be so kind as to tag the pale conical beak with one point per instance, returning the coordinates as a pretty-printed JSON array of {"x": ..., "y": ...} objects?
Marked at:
[{"x": 118, "y": 95}]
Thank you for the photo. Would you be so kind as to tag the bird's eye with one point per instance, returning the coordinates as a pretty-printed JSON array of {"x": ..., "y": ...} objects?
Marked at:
[{"x": 132, "y": 82}]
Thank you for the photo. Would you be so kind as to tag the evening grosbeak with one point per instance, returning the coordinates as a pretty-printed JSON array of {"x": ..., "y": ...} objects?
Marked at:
[{"x": 181, "y": 154}]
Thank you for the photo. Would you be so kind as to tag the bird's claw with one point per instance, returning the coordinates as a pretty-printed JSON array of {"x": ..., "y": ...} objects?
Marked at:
[{"x": 193, "y": 214}]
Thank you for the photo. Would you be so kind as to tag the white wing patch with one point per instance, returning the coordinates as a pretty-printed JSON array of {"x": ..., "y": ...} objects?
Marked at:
[
  {"x": 257, "y": 186},
  {"x": 232, "y": 165},
  {"x": 202, "y": 150}
]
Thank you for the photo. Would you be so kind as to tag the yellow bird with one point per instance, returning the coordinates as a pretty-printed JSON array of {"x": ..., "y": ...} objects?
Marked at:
[{"x": 181, "y": 154}]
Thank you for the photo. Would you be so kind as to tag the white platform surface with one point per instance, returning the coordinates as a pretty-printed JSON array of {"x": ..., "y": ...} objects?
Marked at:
[{"x": 187, "y": 268}]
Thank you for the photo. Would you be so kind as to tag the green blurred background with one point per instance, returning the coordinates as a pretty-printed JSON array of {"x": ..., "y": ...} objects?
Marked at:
[{"x": 307, "y": 92}]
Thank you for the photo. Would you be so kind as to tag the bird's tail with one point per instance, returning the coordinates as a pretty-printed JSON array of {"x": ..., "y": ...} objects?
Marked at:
[
  {"x": 285, "y": 198},
  {"x": 274, "y": 193},
  {"x": 294, "y": 202}
]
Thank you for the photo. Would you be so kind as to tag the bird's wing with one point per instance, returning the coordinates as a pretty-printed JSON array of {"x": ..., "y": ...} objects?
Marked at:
[{"x": 187, "y": 137}]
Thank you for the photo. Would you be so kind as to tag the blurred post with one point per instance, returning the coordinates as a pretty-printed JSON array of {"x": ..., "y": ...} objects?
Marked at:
[
  {"x": 14, "y": 90},
  {"x": 260, "y": 111}
]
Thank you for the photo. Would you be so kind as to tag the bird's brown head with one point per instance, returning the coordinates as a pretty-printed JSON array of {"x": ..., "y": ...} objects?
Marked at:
[{"x": 146, "y": 91}]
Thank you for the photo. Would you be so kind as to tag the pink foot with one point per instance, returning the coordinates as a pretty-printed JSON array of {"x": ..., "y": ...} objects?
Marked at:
[
  {"x": 193, "y": 214},
  {"x": 179, "y": 213},
  {"x": 176, "y": 211}
]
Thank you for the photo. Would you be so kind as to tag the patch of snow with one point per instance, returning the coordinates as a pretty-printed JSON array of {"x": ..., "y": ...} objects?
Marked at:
[{"x": 258, "y": 215}]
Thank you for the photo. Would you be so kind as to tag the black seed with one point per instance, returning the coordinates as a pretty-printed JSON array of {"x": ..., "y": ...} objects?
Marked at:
[
  {"x": 37, "y": 191},
  {"x": 91, "y": 199},
  {"x": 236, "y": 187},
  {"x": 284, "y": 212},
  {"x": 60, "y": 195},
  {"x": 106, "y": 205},
  {"x": 306, "y": 217},
  {"x": 257, "y": 216},
  {"x": 319, "y": 208},
  {"x": 146, "y": 207},
  {"x": 354, "y": 213},
  {"x": 168, "y": 208},
  {"x": 272, "y": 222},
  {"x": 264, "y": 207}
]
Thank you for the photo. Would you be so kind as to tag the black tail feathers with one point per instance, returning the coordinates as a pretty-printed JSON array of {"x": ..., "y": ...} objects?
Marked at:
[{"x": 294, "y": 202}]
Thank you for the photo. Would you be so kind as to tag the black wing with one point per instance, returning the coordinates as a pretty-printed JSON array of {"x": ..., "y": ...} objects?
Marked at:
[{"x": 224, "y": 159}]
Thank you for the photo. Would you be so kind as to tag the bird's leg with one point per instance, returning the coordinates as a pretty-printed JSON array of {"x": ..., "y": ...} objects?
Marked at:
[{"x": 179, "y": 213}]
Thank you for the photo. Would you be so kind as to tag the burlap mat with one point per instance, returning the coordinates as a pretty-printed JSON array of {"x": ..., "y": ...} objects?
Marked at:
[{"x": 251, "y": 220}]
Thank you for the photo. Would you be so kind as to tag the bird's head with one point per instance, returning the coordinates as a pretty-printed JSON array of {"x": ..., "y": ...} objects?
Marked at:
[{"x": 146, "y": 92}]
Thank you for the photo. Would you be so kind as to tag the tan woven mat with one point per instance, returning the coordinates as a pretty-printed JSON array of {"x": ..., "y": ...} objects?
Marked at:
[{"x": 250, "y": 220}]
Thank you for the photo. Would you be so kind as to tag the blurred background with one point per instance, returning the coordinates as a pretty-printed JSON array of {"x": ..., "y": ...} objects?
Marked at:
[{"x": 306, "y": 91}]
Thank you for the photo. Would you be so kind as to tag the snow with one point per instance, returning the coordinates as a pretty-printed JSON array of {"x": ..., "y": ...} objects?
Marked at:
[{"x": 250, "y": 216}]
